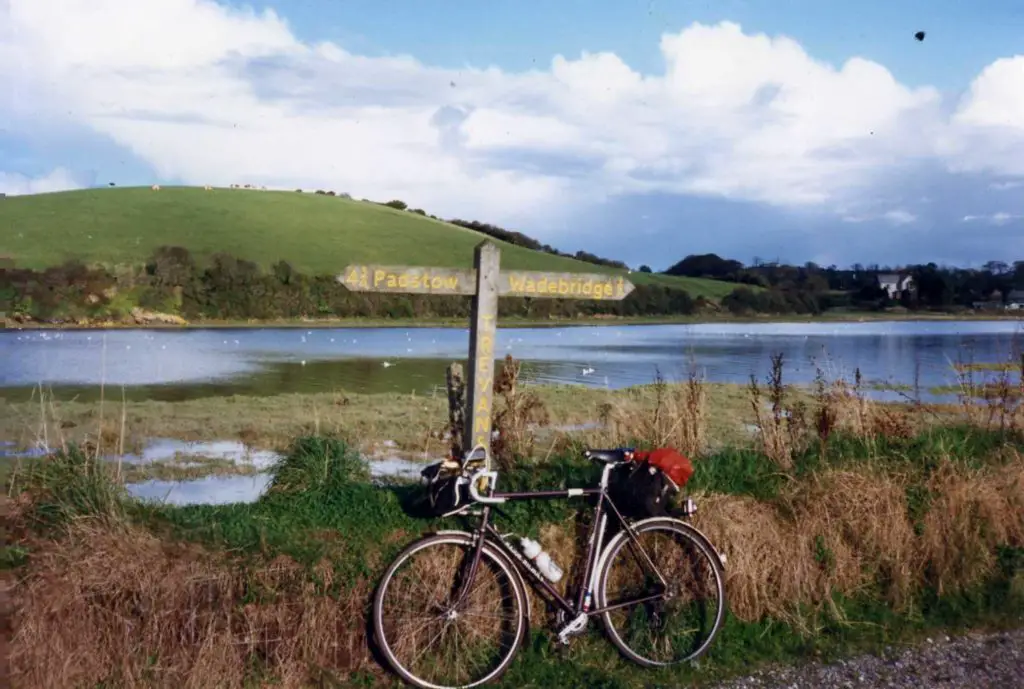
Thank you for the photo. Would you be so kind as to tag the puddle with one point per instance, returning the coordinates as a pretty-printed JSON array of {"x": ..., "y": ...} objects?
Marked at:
[
  {"x": 209, "y": 490},
  {"x": 8, "y": 450},
  {"x": 228, "y": 489},
  {"x": 577, "y": 427},
  {"x": 396, "y": 467},
  {"x": 165, "y": 449}
]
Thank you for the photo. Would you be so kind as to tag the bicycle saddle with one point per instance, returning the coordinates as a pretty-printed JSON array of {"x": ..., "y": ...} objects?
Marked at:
[{"x": 608, "y": 456}]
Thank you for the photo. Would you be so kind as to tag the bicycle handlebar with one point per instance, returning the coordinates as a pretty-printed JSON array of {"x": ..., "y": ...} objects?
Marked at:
[{"x": 474, "y": 492}]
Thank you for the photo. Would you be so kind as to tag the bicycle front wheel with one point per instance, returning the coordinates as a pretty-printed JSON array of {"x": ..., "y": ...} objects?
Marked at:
[
  {"x": 667, "y": 592},
  {"x": 438, "y": 633}
]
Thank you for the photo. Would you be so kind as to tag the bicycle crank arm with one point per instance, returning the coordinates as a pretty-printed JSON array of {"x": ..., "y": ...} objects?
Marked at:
[{"x": 573, "y": 628}]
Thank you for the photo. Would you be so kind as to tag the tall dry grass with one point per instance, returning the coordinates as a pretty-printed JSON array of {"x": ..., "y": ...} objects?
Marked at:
[
  {"x": 677, "y": 416},
  {"x": 789, "y": 420},
  {"x": 108, "y": 601},
  {"x": 517, "y": 412},
  {"x": 851, "y": 532},
  {"x": 992, "y": 403},
  {"x": 117, "y": 605},
  {"x": 972, "y": 513}
]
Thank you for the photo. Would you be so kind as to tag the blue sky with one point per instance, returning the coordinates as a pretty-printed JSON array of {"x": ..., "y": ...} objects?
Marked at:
[
  {"x": 641, "y": 130},
  {"x": 963, "y": 37}
]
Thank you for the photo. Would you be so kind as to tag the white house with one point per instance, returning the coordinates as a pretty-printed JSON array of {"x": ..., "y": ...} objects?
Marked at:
[{"x": 895, "y": 284}]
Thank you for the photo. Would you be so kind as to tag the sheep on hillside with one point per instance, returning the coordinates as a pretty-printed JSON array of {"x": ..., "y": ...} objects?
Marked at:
[{"x": 156, "y": 187}]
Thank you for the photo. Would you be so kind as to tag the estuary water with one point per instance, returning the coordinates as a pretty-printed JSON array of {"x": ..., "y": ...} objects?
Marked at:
[{"x": 181, "y": 364}]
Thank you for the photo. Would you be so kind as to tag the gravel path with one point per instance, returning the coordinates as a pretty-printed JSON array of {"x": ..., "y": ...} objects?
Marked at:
[{"x": 976, "y": 661}]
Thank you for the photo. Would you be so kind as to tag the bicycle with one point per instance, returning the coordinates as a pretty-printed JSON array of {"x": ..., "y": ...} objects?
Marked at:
[{"x": 469, "y": 592}]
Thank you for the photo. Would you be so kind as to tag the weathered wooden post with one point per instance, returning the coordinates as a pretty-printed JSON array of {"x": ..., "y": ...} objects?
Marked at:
[
  {"x": 483, "y": 327},
  {"x": 456, "y": 384},
  {"x": 485, "y": 282}
]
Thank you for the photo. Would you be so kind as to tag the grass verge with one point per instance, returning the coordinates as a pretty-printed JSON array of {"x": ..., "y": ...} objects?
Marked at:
[{"x": 847, "y": 526}]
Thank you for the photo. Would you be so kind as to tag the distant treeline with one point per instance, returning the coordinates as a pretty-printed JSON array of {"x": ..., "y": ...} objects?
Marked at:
[
  {"x": 520, "y": 239},
  {"x": 919, "y": 286},
  {"x": 500, "y": 233},
  {"x": 229, "y": 288}
]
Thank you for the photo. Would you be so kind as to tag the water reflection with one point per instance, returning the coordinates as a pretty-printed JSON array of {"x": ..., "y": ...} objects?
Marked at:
[
  {"x": 174, "y": 365},
  {"x": 209, "y": 490},
  {"x": 228, "y": 489}
]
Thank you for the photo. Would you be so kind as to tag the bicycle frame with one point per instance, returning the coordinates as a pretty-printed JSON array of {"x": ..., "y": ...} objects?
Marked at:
[{"x": 485, "y": 532}]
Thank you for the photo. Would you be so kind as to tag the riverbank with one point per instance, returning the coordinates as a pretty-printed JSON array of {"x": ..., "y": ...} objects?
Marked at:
[
  {"x": 847, "y": 525},
  {"x": 213, "y": 434},
  {"x": 382, "y": 425},
  {"x": 408, "y": 323}
]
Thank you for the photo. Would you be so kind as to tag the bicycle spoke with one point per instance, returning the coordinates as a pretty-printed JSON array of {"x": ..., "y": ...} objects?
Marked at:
[
  {"x": 667, "y": 629},
  {"x": 437, "y": 630}
]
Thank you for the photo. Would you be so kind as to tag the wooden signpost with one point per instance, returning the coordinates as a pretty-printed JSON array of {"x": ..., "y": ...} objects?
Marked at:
[{"x": 485, "y": 282}]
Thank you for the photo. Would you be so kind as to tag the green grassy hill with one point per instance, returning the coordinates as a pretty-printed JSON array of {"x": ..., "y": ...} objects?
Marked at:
[{"x": 317, "y": 234}]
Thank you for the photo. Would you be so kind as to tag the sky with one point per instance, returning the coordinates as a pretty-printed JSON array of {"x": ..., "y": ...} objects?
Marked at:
[{"x": 811, "y": 130}]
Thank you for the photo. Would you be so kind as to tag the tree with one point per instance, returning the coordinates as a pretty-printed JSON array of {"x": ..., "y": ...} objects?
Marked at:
[
  {"x": 645, "y": 268},
  {"x": 1018, "y": 274},
  {"x": 933, "y": 289},
  {"x": 397, "y": 205},
  {"x": 706, "y": 265}
]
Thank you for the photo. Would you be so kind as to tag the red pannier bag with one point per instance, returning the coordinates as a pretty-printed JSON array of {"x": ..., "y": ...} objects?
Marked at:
[{"x": 672, "y": 463}]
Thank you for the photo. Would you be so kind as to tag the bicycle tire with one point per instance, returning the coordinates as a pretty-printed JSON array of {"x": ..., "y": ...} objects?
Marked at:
[
  {"x": 701, "y": 546},
  {"x": 489, "y": 556}
]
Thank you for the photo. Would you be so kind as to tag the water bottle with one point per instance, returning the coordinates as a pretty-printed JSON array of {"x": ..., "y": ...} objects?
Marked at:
[{"x": 532, "y": 550}]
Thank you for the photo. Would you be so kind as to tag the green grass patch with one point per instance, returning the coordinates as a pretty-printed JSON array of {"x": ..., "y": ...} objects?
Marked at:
[
  {"x": 322, "y": 506},
  {"x": 316, "y": 234},
  {"x": 744, "y": 471}
]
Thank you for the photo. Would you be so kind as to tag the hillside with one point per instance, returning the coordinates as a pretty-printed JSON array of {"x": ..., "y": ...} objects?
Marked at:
[{"x": 315, "y": 233}]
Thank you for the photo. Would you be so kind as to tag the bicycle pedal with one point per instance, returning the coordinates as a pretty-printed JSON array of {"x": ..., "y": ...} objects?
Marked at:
[{"x": 578, "y": 624}]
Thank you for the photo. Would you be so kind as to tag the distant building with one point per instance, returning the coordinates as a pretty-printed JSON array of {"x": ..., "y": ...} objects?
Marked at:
[
  {"x": 1015, "y": 299},
  {"x": 992, "y": 302},
  {"x": 895, "y": 284}
]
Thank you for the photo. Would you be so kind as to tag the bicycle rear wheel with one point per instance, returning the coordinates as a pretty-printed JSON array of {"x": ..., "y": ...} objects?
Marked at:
[
  {"x": 431, "y": 634},
  {"x": 678, "y": 627}
]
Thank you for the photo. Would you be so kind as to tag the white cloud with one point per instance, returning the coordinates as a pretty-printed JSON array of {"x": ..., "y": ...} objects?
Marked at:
[
  {"x": 1000, "y": 218},
  {"x": 210, "y": 94},
  {"x": 899, "y": 217},
  {"x": 988, "y": 126},
  {"x": 12, "y": 184}
]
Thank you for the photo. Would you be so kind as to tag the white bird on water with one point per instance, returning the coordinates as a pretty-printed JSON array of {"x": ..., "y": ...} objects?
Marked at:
[{"x": 587, "y": 370}]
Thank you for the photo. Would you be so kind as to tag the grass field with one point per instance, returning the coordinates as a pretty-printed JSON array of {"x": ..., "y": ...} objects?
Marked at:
[
  {"x": 317, "y": 234},
  {"x": 848, "y": 525}
]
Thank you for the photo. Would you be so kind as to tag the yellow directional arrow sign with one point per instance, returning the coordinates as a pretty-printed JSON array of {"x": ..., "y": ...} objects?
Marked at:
[
  {"x": 485, "y": 282},
  {"x": 510, "y": 283}
]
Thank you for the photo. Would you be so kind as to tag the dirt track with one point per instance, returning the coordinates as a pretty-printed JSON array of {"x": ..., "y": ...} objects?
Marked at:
[{"x": 974, "y": 661}]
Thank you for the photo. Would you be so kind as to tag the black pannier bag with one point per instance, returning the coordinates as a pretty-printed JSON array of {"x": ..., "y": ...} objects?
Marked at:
[
  {"x": 641, "y": 490},
  {"x": 446, "y": 489}
]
